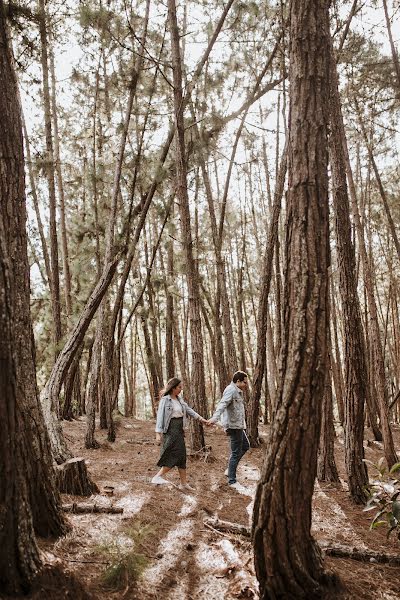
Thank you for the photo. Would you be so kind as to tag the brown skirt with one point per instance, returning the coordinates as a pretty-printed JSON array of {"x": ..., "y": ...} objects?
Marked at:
[{"x": 173, "y": 450}]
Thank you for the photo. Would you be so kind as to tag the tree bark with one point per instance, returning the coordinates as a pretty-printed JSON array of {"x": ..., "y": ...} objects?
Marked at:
[
  {"x": 55, "y": 280},
  {"x": 356, "y": 390},
  {"x": 287, "y": 560},
  {"x": 29, "y": 498},
  {"x": 326, "y": 467},
  {"x": 262, "y": 316},
  {"x": 197, "y": 392}
]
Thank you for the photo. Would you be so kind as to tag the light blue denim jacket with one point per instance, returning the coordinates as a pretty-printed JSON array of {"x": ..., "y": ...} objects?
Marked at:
[
  {"x": 230, "y": 409},
  {"x": 164, "y": 413}
]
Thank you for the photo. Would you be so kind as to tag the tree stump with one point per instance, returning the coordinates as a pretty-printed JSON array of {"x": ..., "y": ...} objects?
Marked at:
[{"x": 74, "y": 479}]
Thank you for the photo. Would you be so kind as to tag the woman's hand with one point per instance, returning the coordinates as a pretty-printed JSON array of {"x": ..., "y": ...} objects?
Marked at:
[{"x": 158, "y": 439}]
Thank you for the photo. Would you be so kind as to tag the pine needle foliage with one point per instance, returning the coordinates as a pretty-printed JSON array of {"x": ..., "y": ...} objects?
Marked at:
[{"x": 126, "y": 562}]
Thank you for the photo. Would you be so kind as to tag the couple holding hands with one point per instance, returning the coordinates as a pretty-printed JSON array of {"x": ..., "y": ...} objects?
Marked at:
[{"x": 171, "y": 421}]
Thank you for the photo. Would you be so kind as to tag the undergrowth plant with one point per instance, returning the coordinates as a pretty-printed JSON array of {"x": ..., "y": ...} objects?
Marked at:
[
  {"x": 126, "y": 563},
  {"x": 384, "y": 497}
]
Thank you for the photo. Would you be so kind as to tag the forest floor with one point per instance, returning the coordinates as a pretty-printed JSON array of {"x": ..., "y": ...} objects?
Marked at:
[{"x": 187, "y": 559}]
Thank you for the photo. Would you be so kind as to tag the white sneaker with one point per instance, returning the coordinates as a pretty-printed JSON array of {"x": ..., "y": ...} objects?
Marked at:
[
  {"x": 185, "y": 487},
  {"x": 226, "y": 473},
  {"x": 239, "y": 488},
  {"x": 157, "y": 480}
]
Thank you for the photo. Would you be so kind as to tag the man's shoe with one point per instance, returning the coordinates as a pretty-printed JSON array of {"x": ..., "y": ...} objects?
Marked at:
[
  {"x": 239, "y": 488},
  {"x": 157, "y": 480}
]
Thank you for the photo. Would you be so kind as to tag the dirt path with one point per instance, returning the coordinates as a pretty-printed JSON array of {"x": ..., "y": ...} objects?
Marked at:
[{"x": 188, "y": 560}]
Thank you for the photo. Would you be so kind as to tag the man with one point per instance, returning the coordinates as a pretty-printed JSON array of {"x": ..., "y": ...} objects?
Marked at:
[{"x": 231, "y": 410}]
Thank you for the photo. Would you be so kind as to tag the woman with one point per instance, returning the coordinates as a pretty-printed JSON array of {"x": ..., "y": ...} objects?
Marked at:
[{"x": 171, "y": 420}]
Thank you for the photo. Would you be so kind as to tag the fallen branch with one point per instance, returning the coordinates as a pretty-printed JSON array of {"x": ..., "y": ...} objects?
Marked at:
[
  {"x": 360, "y": 555},
  {"x": 216, "y": 523},
  {"x": 91, "y": 508},
  {"x": 217, "y": 530},
  {"x": 327, "y": 547}
]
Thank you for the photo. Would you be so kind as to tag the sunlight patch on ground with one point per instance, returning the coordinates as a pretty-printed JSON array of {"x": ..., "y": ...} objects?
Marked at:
[
  {"x": 249, "y": 510},
  {"x": 246, "y": 490},
  {"x": 250, "y": 473},
  {"x": 170, "y": 549},
  {"x": 223, "y": 566},
  {"x": 337, "y": 522},
  {"x": 181, "y": 590},
  {"x": 98, "y": 527},
  {"x": 132, "y": 504},
  {"x": 189, "y": 504},
  {"x": 210, "y": 560}
]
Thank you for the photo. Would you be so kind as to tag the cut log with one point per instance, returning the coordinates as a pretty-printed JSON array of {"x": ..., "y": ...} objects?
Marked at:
[
  {"x": 74, "y": 479},
  {"x": 80, "y": 509}
]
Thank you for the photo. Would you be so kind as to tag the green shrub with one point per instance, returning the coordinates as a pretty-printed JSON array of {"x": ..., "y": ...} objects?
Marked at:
[{"x": 384, "y": 498}]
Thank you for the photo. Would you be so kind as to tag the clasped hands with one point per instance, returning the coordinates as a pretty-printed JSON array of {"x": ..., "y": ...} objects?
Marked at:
[{"x": 208, "y": 422}]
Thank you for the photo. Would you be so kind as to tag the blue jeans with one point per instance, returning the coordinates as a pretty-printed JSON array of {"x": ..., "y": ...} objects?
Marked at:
[{"x": 239, "y": 446}]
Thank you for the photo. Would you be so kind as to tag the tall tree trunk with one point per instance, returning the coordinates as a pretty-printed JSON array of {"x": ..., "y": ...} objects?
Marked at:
[
  {"x": 378, "y": 366},
  {"x": 61, "y": 195},
  {"x": 55, "y": 280},
  {"x": 169, "y": 333},
  {"x": 198, "y": 391},
  {"x": 262, "y": 316},
  {"x": 356, "y": 390},
  {"x": 282, "y": 511},
  {"x": 28, "y": 493}
]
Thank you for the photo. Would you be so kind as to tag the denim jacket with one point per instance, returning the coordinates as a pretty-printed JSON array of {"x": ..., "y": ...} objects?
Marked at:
[
  {"x": 230, "y": 409},
  {"x": 164, "y": 413}
]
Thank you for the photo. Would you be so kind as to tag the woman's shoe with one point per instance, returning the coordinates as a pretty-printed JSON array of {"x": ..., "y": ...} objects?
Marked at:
[
  {"x": 185, "y": 487},
  {"x": 157, "y": 480}
]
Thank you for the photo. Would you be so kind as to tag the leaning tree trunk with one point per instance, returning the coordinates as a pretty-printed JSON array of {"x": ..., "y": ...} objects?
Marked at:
[
  {"x": 287, "y": 560},
  {"x": 198, "y": 390},
  {"x": 356, "y": 388},
  {"x": 28, "y": 495}
]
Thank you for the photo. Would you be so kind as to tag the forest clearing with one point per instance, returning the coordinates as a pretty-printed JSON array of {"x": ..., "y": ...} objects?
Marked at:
[
  {"x": 199, "y": 273},
  {"x": 188, "y": 560}
]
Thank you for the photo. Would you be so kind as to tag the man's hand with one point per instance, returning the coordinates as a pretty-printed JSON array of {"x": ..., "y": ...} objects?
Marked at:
[
  {"x": 209, "y": 423},
  {"x": 158, "y": 439}
]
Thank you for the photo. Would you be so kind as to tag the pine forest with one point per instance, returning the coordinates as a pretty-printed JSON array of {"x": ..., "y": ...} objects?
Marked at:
[{"x": 199, "y": 299}]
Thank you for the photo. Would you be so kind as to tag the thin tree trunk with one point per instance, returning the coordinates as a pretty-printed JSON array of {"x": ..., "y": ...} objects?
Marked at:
[
  {"x": 395, "y": 56},
  {"x": 61, "y": 195},
  {"x": 326, "y": 466},
  {"x": 356, "y": 389},
  {"x": 197, "y": 392},
  {"x": 254, "y": 402},
  {"x": 55, "y": 281},
  {"x": 378, "y": 367}
]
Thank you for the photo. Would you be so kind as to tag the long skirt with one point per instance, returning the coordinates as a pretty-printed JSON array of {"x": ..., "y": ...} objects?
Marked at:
[{"x": 173, "y": 450}]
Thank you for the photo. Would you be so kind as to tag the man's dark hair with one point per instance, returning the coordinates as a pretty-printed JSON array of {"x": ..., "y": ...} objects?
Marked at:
[{"x": 239, "y": 376}]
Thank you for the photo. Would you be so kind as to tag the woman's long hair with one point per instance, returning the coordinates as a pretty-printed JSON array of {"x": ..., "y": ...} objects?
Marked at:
[{"x": 171, "y": 384}]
